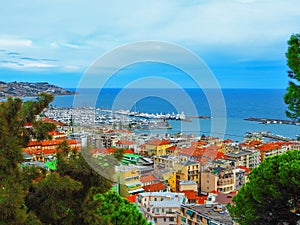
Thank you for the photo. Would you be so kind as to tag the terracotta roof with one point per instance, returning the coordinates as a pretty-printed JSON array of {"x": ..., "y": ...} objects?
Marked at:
[
  {"x": 148, "y": 178},
  {"x": 172, "y": 148},
  {"x": 191, "y": 195},
  {"x": 228, "y": 141},
  {"x": 129, "y": 151},
  {"x": 131, "y": 198},
  {"x": 53, "y": 133},
  {"x": 155, "y": 187},
  {"x": 245, "y": 168},
  {"x": 201, "y": 199},
  {"x": 28, "y": 125},
  {"x": 125, "y": 142},
  {"x": 48, "y": 120},
  {"x": 50, "y": 142},
  {"x": 157, "y": 142},
  {"x": 269, "y": 146}
]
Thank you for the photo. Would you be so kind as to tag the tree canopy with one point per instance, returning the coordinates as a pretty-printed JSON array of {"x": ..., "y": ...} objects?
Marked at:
[
  {"x": 272, "y": 195},
  {"x": 292, "y": 96},
  {"x": 33, "y": 196}
]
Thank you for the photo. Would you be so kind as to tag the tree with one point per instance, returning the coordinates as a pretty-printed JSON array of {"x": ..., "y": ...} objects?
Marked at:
[
  {"x": 272, "y": 196},
  {"x": 292, "y": 96},
  {"x": 52, "y": 198},
  {"x": 116, "y": 210},
  {"x": 14, "y": 114}
]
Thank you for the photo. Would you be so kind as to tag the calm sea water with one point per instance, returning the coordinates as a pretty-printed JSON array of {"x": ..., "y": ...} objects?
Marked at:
[{"x": 239, "y": 104}]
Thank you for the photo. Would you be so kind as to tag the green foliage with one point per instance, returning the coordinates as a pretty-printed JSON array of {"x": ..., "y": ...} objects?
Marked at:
[
  {"x": 292, "y": 96},
  {"x": 14, "y": 114},
  {"x": 52, "y": 197},
  {"x": 118, "y": 211},
  {"x": 272, "y": 196},
  {"x": 63, "y": 197}
]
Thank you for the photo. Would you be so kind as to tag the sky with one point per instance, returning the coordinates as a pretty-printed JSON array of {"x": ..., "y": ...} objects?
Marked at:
[{"x": 243, "y": 42}]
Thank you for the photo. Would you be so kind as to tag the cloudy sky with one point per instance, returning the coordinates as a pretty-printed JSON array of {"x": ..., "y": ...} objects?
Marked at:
[{"x": 243, "y": 42}]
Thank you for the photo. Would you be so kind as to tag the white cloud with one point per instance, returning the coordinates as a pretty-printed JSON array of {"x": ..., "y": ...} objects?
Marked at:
[
  {"x": 8, "y": 42},
  {"x": 76, "y": 33}
]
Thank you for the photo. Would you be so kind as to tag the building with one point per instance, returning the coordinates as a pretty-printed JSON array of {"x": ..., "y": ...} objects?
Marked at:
[
  {"x": 295, "y": 145},
  {"x": 190, "y": 189},
  {"x": 165, "y": 161},
  {"x": 272, "y": 148},
  {"x": 241, "y": 176},
  {"x": 218, "y": 179},
  {"x": 128, "y": 178},
  {"x": 247, "y": 158},
  {"x": 204, "y": 214},
  {"x": 187, "y": 171},
  {"x": 160, "y": 208},
  {"x": 126, "y": 144},
  {"x": 41, "y": 150},
  {"x": 148, "y": 179},
  {"x": 157, "y": 147}
]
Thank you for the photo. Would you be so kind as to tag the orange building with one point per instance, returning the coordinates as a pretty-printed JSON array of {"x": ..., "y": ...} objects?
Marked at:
[{"x": 39, "y": 149}]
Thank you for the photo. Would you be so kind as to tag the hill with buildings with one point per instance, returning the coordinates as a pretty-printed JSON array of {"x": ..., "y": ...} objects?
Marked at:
[{"x": 27, "y": 89}]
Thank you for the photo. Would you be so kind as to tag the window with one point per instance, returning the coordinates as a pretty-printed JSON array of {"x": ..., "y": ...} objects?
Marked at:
[
  {"x": 162, "y": 210},
  {"x": 157, "y": 210},
  {"x": 165, "y": 220},
  {"x": 171, "y": 219}
]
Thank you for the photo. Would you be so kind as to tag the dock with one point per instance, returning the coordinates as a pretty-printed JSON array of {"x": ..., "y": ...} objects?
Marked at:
[{"x": 273, "y": 121}]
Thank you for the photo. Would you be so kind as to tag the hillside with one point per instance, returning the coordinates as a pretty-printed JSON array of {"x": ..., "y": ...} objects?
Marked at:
[{"x": 27, "y": 89}]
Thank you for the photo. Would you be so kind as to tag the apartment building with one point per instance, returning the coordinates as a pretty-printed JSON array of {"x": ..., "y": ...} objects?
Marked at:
[
  {"x": 160, "y": 208},
  {"x": 248, "y": 158},
  {"x": 218, "y": 179},
  {"x": 201, "y": 214}
]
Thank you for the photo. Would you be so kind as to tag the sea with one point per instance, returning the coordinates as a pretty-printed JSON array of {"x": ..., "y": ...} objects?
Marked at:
[{"x": 227, "y": 108}]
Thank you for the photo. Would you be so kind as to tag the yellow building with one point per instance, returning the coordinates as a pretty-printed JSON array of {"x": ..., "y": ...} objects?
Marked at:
[
  {"x": 187, "y": 171},
  {"x": 157, "y": 147},
  {"x": 129, "y": 180},
  {"x": 171, "y": 179}
]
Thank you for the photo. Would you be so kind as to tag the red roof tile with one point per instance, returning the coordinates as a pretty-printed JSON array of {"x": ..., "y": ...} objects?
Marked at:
[
  {"x": 201, "y": 199},
  {"x": 125, "y": 142},
  {"x": 148, "y": 178},
  {"x": 131, "y": 198},
  {"x": 191, "y": 195},
  {"x": 155, "y": 187},
  {"x": 48, "y": 120},
  {"x": 128, "y": 151},
  {"x": 157, "y": 142},
  {"x": 245, "y": 168}
]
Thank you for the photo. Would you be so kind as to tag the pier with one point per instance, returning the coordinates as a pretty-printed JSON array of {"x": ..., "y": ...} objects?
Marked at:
[
  {"x": 267, "y": 134},
  {"x": 273, "y": 121}
]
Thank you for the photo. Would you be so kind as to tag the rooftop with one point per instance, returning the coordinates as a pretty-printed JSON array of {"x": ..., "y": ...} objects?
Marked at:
[
  {"x": 155, "y": 187},
  {"x": 209, "y": 212},
  {"x": 157, "y": 142}
]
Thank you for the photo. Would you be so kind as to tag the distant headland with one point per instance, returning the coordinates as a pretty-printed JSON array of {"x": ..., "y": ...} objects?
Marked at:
[{"x": 27, "y": 89}]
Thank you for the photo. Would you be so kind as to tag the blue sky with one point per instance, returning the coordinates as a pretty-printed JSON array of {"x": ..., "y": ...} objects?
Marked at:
[{"x": 243, "y": 42}]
